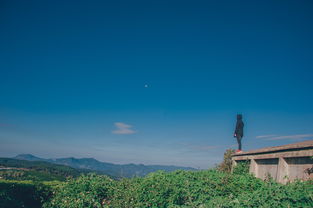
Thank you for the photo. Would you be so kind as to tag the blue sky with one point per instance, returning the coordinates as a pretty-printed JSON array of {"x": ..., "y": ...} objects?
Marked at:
[{"x": 153, "y": 82}]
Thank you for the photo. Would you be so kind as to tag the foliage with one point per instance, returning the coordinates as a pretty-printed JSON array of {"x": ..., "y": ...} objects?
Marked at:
[
  {"x": 226, "y": 165},
  {"x": 209, "y": 188},
  {"x": 22, "y": 175},
  {"x": 242, "y": 168},
  {"x": 39, "y": 170},
  {"x": 86, "y": 191},
  {"x": 16, "y": 194}
]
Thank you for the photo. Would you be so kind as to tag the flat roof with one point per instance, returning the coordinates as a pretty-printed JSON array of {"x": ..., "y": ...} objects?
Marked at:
[{"x": 288, "y": 147}]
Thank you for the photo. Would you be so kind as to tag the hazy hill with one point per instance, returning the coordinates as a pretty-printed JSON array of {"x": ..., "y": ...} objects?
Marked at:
[
  {"x": 36, "y": 170},
  {"x": 30, "y": 157},
  {"x": 127, "y": 170}
]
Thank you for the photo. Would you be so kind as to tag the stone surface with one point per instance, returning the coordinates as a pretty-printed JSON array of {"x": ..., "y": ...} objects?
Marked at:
[{"x": 282, "y": 163}]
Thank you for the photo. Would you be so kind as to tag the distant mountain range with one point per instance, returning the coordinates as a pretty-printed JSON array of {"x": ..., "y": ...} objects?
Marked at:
[{"x": 115, "y": 170}]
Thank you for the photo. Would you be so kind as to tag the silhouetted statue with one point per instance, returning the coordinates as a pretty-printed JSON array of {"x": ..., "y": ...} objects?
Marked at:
[{"x": 239, "y": 131}]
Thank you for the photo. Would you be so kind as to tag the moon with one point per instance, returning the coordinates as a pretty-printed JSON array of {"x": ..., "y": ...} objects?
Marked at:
[{"x": 146, "y": 86}]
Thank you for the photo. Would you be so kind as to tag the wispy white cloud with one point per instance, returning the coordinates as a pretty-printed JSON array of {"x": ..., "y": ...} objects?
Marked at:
[
  {"x": 291, "y": 137},
  {"x": 265, "y": 136},
  {"x": 122, "y": 128}
]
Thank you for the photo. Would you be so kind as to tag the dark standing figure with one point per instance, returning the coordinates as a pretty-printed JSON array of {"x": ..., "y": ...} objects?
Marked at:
[{"x": 239, "y": 130}]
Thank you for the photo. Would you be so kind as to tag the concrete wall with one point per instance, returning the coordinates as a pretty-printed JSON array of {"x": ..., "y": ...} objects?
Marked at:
[
  {"x": 297, "y": 168},
  {"x": 266, "y": 167},
  {"x": 281, "y": 166}
]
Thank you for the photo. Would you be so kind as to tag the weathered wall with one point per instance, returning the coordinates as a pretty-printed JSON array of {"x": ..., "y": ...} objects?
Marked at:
[
  {"x": 282, "y": 169},
  {"x": 266, "y": 167},
  {"x": 282, "y": 164},
  {"x": 297, "y": 168}
]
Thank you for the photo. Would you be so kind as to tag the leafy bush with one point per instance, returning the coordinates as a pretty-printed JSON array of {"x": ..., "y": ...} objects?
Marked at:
[
  {"x": 242, "y": 168},
  {"x": 86, "y": 191},
  {"x": 210, "y": 188},
  {"x": 226, "y": 165},
  {"x": 16, "y": 194}
]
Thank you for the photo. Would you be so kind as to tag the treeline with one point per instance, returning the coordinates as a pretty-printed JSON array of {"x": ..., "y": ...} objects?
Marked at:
[
  {"x": 36, "y": 170},
  {"x": 30, "y": 175}
]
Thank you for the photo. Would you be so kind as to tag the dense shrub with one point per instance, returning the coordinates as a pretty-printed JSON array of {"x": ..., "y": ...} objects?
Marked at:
[
  {"x": 226, "y": 164},
  {"x": 86, "y": 191},
  {"x": 16, "y": 194},
  {"x": 242, "y": 168},
  {"x": 210, "y": 188}
]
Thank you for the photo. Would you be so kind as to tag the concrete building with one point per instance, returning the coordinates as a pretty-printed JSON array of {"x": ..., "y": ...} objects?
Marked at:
[{"x": 283, "y": 163}]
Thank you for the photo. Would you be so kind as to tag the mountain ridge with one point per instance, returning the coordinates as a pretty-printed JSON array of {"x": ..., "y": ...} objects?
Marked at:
[{"x": 117, "y": 170}]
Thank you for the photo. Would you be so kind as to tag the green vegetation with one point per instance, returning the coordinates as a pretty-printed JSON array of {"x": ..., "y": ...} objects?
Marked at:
[
  {"x": 210, "y": 188},
  {"x": 22, "y": 175},
  {"x": 13, "y": 169},
  {"x": 242, "y": 168},
  {"x": 203, "y": 189},
  {"x": 226, "y": 165},
  {"x": 27, "y": 194}
]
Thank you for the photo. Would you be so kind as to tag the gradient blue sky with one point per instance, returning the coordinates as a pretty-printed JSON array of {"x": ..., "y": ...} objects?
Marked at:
[{"x": 73, "y": 78}]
